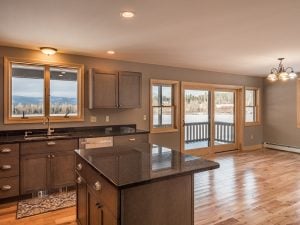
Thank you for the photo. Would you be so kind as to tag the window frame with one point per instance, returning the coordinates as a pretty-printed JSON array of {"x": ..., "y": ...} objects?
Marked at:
[
  {"x": 8, "y": 119},
  {"x": 175, "y": 98},
  {"x": 257, "y": 106},
  {"x": 298, "y": 103}
]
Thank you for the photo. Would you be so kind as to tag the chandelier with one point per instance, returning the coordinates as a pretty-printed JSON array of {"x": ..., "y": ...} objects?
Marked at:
[{"x": 282, "y": 73}]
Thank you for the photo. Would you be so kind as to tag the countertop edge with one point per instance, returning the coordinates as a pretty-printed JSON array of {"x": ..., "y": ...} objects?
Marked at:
[{"x": 216, "y": 166}]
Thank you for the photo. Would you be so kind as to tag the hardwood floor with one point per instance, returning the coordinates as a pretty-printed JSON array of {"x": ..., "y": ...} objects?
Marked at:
[
  {"x": 253, "y": 188},
  {"x": 261, "y": 187}
]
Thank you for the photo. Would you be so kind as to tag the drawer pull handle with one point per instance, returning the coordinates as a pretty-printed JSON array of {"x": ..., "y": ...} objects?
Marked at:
[
  {"x": 99, "y": 205},
  {"x": 79, "y": 166},
  {"x": 5, "y": 187},
  {"x": 6, "y": 167},
  {"x": 97, "y": 186},
  {"x": 131, "y": 139},
  {"x": 79, "y": 180},
  {"x": 51, "y": 143},
  {"x": 5, "y": 150}
]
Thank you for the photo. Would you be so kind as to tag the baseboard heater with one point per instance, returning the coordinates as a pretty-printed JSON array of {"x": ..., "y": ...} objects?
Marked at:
[{"x": 282, "y": 147}]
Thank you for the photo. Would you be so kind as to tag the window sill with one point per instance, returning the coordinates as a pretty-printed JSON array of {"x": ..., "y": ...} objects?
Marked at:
[{"x": 163, "y": 130}]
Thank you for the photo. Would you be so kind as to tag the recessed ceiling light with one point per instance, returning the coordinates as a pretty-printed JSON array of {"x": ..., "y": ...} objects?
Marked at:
[
  {"x": 127, "y": 14},
  {"x": 48, "y": 50},
  {"x": 111, "y": 52}
]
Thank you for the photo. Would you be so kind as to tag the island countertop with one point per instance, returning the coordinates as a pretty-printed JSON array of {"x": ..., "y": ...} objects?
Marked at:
[{"x": 126, "y": 166}]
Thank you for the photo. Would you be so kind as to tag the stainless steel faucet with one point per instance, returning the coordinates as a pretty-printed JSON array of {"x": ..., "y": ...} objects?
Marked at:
[{"x": 49, "y": 130}]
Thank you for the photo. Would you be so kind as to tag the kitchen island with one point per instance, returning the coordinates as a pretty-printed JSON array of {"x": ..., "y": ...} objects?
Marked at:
[{"x": 136, "y": 185}]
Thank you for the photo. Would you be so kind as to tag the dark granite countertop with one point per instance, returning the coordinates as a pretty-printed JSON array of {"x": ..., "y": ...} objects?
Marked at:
[
  {"x": 126, "y": 166},
  {"x": 17, "y": 136}
]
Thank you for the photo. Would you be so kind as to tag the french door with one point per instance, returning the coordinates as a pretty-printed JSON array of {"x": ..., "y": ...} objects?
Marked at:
[{"x": 209, "y": 118}]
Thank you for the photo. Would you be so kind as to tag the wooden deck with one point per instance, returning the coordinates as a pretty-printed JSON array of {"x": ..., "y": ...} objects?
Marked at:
[{"x": 261, "y": 187}]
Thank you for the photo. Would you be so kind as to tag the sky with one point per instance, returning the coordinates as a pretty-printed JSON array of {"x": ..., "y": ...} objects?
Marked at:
[{"x": 35, "y": 88}]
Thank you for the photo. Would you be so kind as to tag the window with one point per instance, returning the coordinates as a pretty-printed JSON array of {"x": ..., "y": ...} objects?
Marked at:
[
  {"x": 164, "y": 105},
  {"x": 252, "y": 107},
  {"x": 35, "y": 90}
]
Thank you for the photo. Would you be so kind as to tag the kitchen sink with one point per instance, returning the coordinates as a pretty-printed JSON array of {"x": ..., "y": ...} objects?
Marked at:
[{"x": 45, "y": 137}]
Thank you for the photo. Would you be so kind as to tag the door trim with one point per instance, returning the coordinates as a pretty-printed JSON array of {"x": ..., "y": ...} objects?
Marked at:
[{"x": 239, "y": 117}]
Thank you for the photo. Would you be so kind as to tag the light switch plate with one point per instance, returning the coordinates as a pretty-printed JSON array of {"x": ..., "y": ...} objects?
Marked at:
[
  {"x": 145, "y": 117},
  {"x": 107, "y": 119},
  {"x": 93, "y": 119}
]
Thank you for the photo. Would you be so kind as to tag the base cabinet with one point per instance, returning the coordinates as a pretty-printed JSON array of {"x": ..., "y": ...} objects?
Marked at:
[{"x": 47, "y": 165}]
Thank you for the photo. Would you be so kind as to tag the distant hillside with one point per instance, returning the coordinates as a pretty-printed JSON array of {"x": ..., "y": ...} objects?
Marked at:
[{"x": 37, "y": 100}]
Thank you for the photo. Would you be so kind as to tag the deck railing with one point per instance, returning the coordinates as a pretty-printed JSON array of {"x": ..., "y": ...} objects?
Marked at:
[{"x": 200, "y": 131}]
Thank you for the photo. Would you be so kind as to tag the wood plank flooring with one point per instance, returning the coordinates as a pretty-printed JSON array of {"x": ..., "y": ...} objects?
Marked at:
[{"x": 253, "y": 188}]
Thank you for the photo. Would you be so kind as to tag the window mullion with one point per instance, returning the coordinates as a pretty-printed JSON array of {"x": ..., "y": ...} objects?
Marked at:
[{"x": 47, "y": 91}]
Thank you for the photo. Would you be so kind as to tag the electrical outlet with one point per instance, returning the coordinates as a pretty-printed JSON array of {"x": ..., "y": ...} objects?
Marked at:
[
  {"x": 107, "y": 119},
  {"x": 93, "y": 119},
  {"x": 145, "y": 117}
]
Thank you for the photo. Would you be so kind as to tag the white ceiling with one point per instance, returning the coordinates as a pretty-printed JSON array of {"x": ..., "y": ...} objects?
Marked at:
[{"x": 234, "y": 36}]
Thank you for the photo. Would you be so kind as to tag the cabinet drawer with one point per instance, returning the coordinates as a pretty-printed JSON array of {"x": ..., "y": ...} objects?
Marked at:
[
  {"x": 49, "y": 146},
  {"x": 9, "y": 187},
  {"x": 9, "y": 150},
  {"x": 129, "y": 140},
  {"x": 105, "y": 191},
  {"x": 9, "y": 167}
]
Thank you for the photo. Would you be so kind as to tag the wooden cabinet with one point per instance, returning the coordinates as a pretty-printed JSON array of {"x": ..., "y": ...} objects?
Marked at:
[
  {"x": 82, "y": 200},
  {"x": 122, "y": 90},
  {"x": 51, "y": 167},
  {"x": 96, "y": 197},
  {"x": 130, "y": 89},
  {"x": 62, "y": 169},
  {"x": 34, "y": 172},
  {"x": 9, "y": 170}
]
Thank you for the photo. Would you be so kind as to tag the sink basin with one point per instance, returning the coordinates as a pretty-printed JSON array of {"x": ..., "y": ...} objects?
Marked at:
[{"x": 45, "y": 137}]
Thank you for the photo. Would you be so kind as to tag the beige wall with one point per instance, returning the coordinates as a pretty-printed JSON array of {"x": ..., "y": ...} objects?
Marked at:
[
  {"x": 280, "y": 114},
  {"x": 134, "y": 115}
]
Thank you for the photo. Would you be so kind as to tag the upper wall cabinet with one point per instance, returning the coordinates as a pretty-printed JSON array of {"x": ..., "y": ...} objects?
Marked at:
[{"x": 122, "y": 90}]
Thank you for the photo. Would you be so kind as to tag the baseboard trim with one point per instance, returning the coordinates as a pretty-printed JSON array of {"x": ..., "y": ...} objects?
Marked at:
[
  {"x": 282, "y": 147},
  {"x": 252, "y": 147}
]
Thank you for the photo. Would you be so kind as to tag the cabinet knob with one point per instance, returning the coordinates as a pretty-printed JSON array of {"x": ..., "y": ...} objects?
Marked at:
[
  {"x": 53, "y": 156},
  {"x": 49, "y": 156},
  {"x": 5, "y": 167},
  {"x": 5, "y": 187},
  {"x": 97, "y": 186},
  {"x": 5, "y": 150},
  {"x": 50, "y": 143},
  {"x": 79, "y": 166},
  {"x": 79, "y": 180}
]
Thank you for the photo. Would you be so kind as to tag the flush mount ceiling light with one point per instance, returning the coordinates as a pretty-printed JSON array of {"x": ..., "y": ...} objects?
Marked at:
[
  {"x": 111, "y": 52},
  {"x": 48, "y": 50},
  {"x": 282, "y": 73},
  {"x": 127, "y": 14}
]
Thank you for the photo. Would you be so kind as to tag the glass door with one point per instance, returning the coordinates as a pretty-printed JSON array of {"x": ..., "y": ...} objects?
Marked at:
[
  {"x": 224, "y": 120},
  {"x": 196, "y": 122},
  {"x": 209, "y": 119}
]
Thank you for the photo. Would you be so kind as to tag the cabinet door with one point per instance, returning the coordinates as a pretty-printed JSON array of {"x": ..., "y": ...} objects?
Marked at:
[
  {"x": 130, "y": 89},
  {"x": 62, "y": 170},
  {"x": 94, "y": 213},
  {"x": 81, "y": 200},
  {"x": 103, "y": 90},
  {"x": 97, "y": 213},
  {"x": 34, "y": 175}
]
